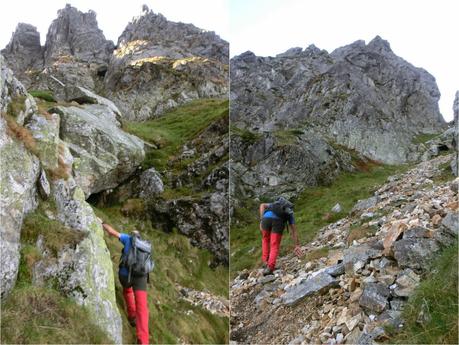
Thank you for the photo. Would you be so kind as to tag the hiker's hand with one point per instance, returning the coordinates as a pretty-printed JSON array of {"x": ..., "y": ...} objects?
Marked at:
[{"x": 298, "y": 252}]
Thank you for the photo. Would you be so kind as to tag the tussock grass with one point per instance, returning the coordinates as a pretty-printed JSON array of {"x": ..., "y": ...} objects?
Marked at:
[
  {"x": 176, "y": 261},
  {"x": 55, "y": 234},
  {"x": 35, "y": 315},
  {"x": 22, "y": 134},
  {"x": 360, "y": 231},
  {"x": 173, "y": 129},
  {"x": 437, "y": 297},
  {"x": 312, "y": 212},
  {"x": 16, "y": 105}
]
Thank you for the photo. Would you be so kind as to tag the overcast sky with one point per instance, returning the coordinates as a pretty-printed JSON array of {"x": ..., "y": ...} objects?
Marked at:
[{"x": 425, "y": 33}]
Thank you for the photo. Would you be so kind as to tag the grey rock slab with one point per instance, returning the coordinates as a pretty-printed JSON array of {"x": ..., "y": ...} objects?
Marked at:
[
  {"x": 407, "y": 281},
  {"x": 335, "y": 270},
  {"x": 451, "y": 223},
  {"x": 415, "y": 253},
  {"x": 151, "y": 184},
  {"x": 315, "y": 284},
  {"x": 374, "y": 297},
  {"x": 364, "y": 204},
  {"x": 356, "y": 257}
]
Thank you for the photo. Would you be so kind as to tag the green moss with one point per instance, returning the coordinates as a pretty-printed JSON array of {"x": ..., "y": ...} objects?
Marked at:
[
  {"x": 176, "y": 261},
  {"x": 441, "y": 309},
  {"x": 312, "y": 212},
  {"x": 172, "y": 130},
  {"x": 44, "y": 95},
  {"x": 34, "y": 315}
]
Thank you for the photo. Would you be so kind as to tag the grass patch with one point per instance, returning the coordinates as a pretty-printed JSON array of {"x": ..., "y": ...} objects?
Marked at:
[
  {"x": 34, "y": 315},
  {"x": 44, "y": 95},
  {"x": 441, "y": 308},
  {"x": 312, "y": 212},
  {"x": 316, "y": 254},
  {"x": 248, "y": 137},
  {"x": 55, "y": 234},
  {"x": 287, "y": 137},
  {"x": 172, "y": 130},
  {"x": 360, "y": 231},
  {"x": 423, "y": 138},
  {"x": 446, "y": 174},
  {"x": 16, "y": 106},
  {"x": 176, "y": 261}
]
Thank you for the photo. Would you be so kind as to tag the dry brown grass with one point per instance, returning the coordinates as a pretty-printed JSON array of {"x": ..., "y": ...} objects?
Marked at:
[
  {"x": 360, "y": 232},
  {"x": 316, "y": 254},
  {"x": 21, "y": 133}
]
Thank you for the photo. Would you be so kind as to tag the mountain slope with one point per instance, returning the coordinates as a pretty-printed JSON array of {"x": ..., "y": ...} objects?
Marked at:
[{"x": 359, "y": 271}]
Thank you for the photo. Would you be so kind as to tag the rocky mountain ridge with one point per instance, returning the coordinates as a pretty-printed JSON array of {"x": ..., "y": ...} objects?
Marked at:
[
  {"x": 157, "y": 64},
  {"x": 360, "y": 100},
  {"x": 359, "y": 285}
]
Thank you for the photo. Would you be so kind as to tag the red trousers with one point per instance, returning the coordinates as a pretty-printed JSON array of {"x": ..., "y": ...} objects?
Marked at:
[
  {"x": 270, "y": 244},
  {"x": 137, "y": 307}
]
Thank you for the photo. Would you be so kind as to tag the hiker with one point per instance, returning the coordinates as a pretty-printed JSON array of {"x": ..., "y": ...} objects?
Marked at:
[
  {"x": 274, "y": 217},
  {"x": 134, "y": 286}
]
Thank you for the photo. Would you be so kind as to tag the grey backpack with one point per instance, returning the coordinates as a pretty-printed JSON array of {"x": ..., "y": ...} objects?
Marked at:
[{"x": 139, "y": 261}]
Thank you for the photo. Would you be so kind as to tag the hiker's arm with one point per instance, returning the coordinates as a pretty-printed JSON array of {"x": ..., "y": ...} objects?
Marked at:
[
  {"x": 262, "y": 209},
  {"x": 110, "y": 230},
  {"x": 294, "y": 234}
]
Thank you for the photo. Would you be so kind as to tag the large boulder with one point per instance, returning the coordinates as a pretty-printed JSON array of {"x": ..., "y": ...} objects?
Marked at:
[
  {"x": 19, "y": 173},
  {"x": 18, "y": 176},
  {"x": 159, "y": 64},
  {"x": 85, "y": 272},
  {"x": 104, "y": 154}
]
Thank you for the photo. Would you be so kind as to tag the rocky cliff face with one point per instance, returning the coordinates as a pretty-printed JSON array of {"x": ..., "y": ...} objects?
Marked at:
[
  {"x": 203, "y": 217},
  {"x": 169, "y": 64},
  {"x": 38, "y": 169},
  {"x": 24, "y": 52},
  {"x": 76, "y": 34},
  {"x": 157, "y": 64},
  {"x": 361, "y": 97}
]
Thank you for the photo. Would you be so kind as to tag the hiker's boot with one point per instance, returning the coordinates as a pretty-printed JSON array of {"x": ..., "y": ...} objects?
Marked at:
[
  {"x": 132, "y": 321},
  {"x": 267, "y": 271}
]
